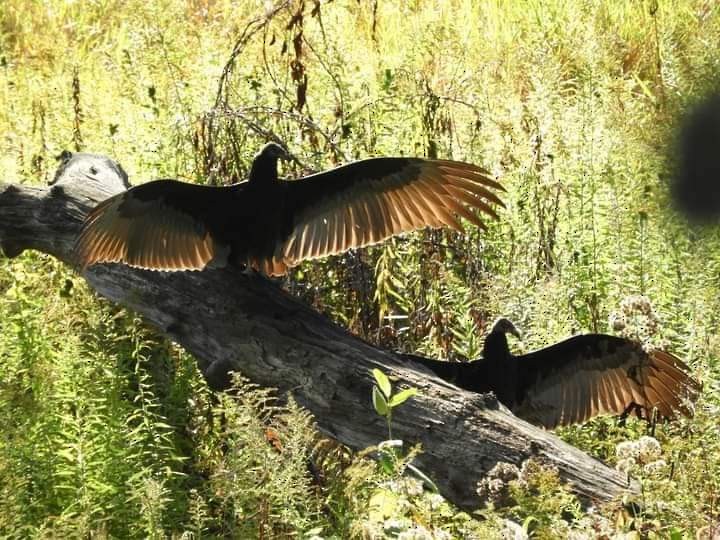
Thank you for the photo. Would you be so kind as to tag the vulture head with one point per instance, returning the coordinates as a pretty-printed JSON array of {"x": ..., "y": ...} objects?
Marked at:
[
  {"x": 273, "y": 150},
  {"x": 504, "y": 326},
  {"x": 264, "y": 165}
]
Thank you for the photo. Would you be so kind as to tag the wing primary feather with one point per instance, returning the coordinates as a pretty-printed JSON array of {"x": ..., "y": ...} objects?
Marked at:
[
  {"x": 320, "y": 234},
  {"x": 345, "y": 230},
  {"x": 581, "y": 400},
  {"x": 324, "y": 229},
  {"x": 177, "y": 244},
  {"x": 370, "y": 232},
  {"x": 462, "y": 166},
  {"x": 376, "y": 231},
  {"x": 603, "y": 395},
  {"x": 363, "y": 222},
  {"x": 476, "y": 189},
  {"x": 618, "y": 395},
  {"x": 148, "y": 247},
  {"x": 154, "y": 259},
  {"x": 341, "y": 230},
  {"x": 398, "y": 205},
  {"x": 386, "y": 230},
  {"x": 384, "y": 202},
  {"x": 302, "y": 243},
  {"x": 428, "y": 217},
  {"x": 470, "y": 176},
  {"x": 329, "y": 244},
  {"x": 439, "y": 206},
  {"x": 471, "y": 200},
  {"x": 463, "y": 212},
  {"x": 350, "y": 227},
  {"x": 333, "y": 226},
  {"x": 666, "y": 393},
  {"x": 416, "y": 213},
  {"x": 289, "y": 246},
  {"x": 592, "y": 396},
  {"x": 314, "y": 241},
  {"x": 443, "y": 209},
  {"x": 105, "y": 246},
  {"x": 102, "y": 245}
]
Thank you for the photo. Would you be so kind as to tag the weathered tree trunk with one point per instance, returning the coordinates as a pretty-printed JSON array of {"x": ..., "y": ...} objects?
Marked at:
[{"x": 244, "y": 322}]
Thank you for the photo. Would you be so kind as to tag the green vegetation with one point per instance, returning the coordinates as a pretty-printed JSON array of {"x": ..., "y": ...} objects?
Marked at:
[{"x": 110, "y": 431}]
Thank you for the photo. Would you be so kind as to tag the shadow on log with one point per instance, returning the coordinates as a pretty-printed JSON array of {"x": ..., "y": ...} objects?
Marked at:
[{"x": 235, "y": 321}]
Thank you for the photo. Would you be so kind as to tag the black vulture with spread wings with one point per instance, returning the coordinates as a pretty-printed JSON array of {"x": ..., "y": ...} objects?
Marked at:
[
  {"x": 574, "y": 380},
  {"x": 271, "y": 224}
]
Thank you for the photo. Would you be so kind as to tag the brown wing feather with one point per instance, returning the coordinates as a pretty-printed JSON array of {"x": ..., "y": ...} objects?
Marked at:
[
  {"x": 371, "y": 200},
  {"x": 608, "y": 379},
  {"x": 144, "y": 234}
]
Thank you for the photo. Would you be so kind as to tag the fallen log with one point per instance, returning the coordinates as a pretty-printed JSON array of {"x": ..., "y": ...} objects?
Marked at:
[{"x": 230, "y": 320}]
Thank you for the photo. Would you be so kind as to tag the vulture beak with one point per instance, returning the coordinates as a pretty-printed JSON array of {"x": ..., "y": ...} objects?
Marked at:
[{"x": 504, "y": 325}]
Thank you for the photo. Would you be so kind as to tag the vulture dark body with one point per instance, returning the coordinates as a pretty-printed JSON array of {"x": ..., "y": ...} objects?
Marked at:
[
  {"x": 271, "y": 224},
  {"x": 574, "y": 380}
]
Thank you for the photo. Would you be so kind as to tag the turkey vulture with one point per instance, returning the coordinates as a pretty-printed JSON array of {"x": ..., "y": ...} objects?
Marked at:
[
  {"x": 271, "y": 224},
  {"x": 574, "y": 380}
]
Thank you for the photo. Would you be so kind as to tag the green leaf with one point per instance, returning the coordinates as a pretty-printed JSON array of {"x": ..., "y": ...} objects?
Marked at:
[
  {"x": 402, "y": 396},
  {"x": 379, "y": 402},
  {"x": 383, "y": 382},
  {"x": 387, "y": 464}
]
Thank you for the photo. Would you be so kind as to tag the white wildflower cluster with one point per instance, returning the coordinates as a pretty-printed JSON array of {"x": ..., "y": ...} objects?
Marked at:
[
  {"x": 617, "y": 321},
  {"x": 648, "y": 449},
  {"x": 505, "y": 471},
  {"x": 406, "y": 486},
  {"x": 404, "y": 526},
  {"x": 404, "y": 529},
  {"x": 635, "y": 319},
  {"x": 655, "y": 468},
  {"x": 416, "y": 532},
  {"x": 371, "y": 529},
  {"x": 627, "y": 453},
  {"x": 591, "y": 526},
  {"x": 435, "y": 500},
  {"x": 644, "y": 453},
  {"x": 513, "y": 531},
  {"x": 394, "y": 524},
  {"x": 440, "y": 534},
  {"x": 531, "y": 468},
  {"x": 494, "y": 487}
]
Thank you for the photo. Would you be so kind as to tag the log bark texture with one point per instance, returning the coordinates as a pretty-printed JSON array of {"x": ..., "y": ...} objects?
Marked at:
[{"x": 233, "y": 320}]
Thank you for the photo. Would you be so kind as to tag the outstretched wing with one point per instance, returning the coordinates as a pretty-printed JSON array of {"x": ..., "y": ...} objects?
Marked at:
[
  {"x": 460, "y": 374},
  {"x": 596, "y": 374},
  {"x": 370, "y": 200},
  {"x": 161, "y": 225}
]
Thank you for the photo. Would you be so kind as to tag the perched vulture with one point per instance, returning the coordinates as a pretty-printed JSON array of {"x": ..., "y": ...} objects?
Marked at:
[
  {"x": 271, "y": 224},
  {"x": 574, "y": 380}
]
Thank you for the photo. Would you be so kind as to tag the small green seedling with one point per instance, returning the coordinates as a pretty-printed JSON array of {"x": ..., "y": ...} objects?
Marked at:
[
  {"x": 390, "y": 451},
  {"x": 383, "y": 399}
]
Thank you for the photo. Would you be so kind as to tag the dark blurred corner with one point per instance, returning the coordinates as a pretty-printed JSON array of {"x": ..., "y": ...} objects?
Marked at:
[{"x": 696, "y": 181}]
